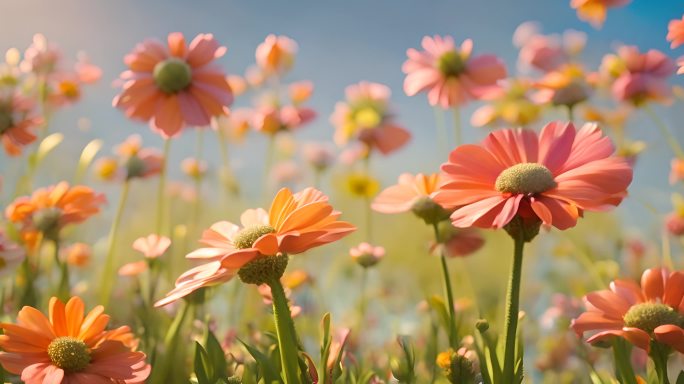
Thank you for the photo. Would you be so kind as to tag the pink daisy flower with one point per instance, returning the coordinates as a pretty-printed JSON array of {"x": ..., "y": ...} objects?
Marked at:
[
  {"x": 675, "y": 32},
  {"x": 175, "y": 85},
  {"x": 448, "y": 73},
  {"x": 550, "y": 178},
  {"x": 17, "y": 122}
]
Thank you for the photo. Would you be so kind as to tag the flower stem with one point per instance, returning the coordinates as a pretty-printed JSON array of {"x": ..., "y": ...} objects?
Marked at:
[
  {"x": 162, "y": 368},
  {"x": 665, "y": 131},
  {"x": 107, "y": 280},
  {"x": 571, "y": 113},
  {"x": 63, "y": 289},
  {"x": 442, "y": 135},
  {"x": 453, "y": 337},
  {"x": 162, "y": 186},
  {"x": 227, "y": 176},
  {"x": 363, "y": 302},
  {"x": 659, "y": 355},
  {"x": 457, "y": 126},
  {"x": 287, "y": 338},
  {"x": 512, "y": 309},
  {"x": 196, "y": 206}
]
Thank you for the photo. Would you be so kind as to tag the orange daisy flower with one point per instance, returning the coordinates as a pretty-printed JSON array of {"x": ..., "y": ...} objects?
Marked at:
[
  {"x": 594, "y": 11},
  {"x": 175, "y": 85},
  {"x": 550, "y": 178},
  {"x": 50, "y": 209},
  {"x": 640, "y": 314},
  {"x": 294, "y": 224},
  {"x": 68, "y": 347}
]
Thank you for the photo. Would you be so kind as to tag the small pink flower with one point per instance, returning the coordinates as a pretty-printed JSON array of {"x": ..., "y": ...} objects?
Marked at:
[
  {"x": 152, "y": 246},
  {"x": 547, "y": 52},
  {"x": 676, "y": 170},
  {"x": 366, "y": 254},
  {"x": 238, "y": 84},
  {"x": 271, "y": 119},
  {"x": 640, "y": 77},
  {"x": 674, "y": 223},
  {"x": 319, "y": 155},
  {"x": 41, "y": 57},
  {"x": 133, "y": 269},
  {"x": 285, "y": 173},
  {"x": 236, "y": 125},
  {"x": 300, "y": 91},
  {"x": 134, "y": 161},
  {"x": 675, "y": 32},
  {"x": 459, "y": 242},
  {"x": 78, "y": 254},
  {"x": 276, "y": 54},
  {"x": 11, "y": 255},
  {"x": 194, "y": 168},
  {"x": 448, "y": 74},
  {"x": 17, "y": 122},
  {"x": 365, "y": 117}
]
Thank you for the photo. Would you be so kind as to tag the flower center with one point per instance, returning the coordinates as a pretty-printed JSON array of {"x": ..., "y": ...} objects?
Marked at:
[
  {"x": 69, "y": 89},
  {"x": 367, "y": 117},
  {"x": 47, "y": 221},
  {"x": 247, "y": 237},
  {"x": 649, "y": 316},
  {"x": 6, "y": 121},
  {"x": 429, "y": 211},
  {"x": 135, "y": 167},
  {"x": 68, "y": 353},
  {"x": 264, "y": 269},
  {"x": 450, "y": 64},
  {"x": 172, "y": 75},
  {"x": 527, "y": 178}
]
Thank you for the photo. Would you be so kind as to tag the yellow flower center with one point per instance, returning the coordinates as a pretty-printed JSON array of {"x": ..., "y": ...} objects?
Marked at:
[
  {"x": 172, "y": 75},
  {"x": 526, "y": 178},
  {"x": 367, "y": 117},
  {"x": 69, "y": 353},
  {"x": 649, "y": 316},
  {"x": 135, "y": 167},
  {"x": 263, "y": 270},
  {"x": 247, "y": 237},
  {"x": 451, "y": 64},
  {"x": 69, "y": 89}
]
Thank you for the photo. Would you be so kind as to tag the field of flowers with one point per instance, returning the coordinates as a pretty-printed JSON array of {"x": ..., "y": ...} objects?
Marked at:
[{"x": 509, "y": 260}]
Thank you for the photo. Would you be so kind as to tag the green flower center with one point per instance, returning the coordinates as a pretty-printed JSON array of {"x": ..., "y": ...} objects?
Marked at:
[
  {"x": 649, "y": 316},
  {"x": 6, "y": 121},
  {"x": 527, "y": 178},
  {"x": 135, "y": 167},
  {"x": 429, "y": 211},
  {"x": 47, "y": 221},
  {"x": 247, "y": 237},
  {"x": 68, "y": 353},
  {"x": 450, "y": 64},
  {"x": 172, "y": 75},
  {"x": 264, "y": 269}
]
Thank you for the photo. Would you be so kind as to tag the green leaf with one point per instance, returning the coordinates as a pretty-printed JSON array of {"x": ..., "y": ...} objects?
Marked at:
[
  {"x": 268, "y": 371},
  {"x": 680, "y": 378},
  {"x": 439, "y": 306},
  {"x": 216, "y": 356},
  {"x": 325, "y": 348},
  {"x": 201, "y": 360}
]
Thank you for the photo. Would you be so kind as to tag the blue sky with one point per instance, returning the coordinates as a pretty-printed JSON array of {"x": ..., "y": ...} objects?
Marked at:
[{"x": 340, "y": 43}]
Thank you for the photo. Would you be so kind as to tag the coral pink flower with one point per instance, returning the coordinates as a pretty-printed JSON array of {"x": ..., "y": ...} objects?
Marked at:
[
  {"x": 652, "y": 312},
  {"x": 512, "y": 104},
  {"x": 78, "y": 254},
  {"x": 133, "y": 269},
  {"x": 447, "y": 73},
  {"x": 276, "y": 54},
  {"x": 365, "y": 117},
  {"x": 175, "y": 85},
  {"x": 68, "y": 347},
  {"x": 134, "y": 161},
  {"x": 152, "y": 246},
  {"x": 409, "y": 191},
  {"x": 640, "y": 77},
  {"x": 680, "y": 62},
  {"x": 300, "y": 91},
  {"x": 236, "y": 125},
  {"x": 17, "y": 122},
  {"x": 676, "y": 170},
  {"x": 11, "y": 255},
  {"x": 267, "y": 296},
  {"x": 675, "y": 32},
  {"x": 319, "y": 155},
  {"x": 294, "y": 224},
  {"x": 366, "y": 254},
  {"x": 594, "y": 11},
  {"x": 458, "y": 242},
  {"x": 270, "y": 119},
  {"x": 64, "y": 87},
  {"x": 546, "y": 52},
  {"x": 568, "y": 86},
  {"x": 41, "y": 57},
  {"x": 551, "y": 177}
]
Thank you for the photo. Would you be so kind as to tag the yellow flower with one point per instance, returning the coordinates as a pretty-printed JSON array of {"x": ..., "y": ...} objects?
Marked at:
[{"x": 362, "y": 185}]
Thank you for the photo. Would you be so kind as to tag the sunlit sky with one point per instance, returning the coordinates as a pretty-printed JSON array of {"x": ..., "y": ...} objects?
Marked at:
[{"x": 340, "y": 43}]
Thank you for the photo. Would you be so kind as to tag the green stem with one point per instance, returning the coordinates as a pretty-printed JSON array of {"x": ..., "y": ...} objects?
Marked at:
[
  {"x": 161, "y": 368},
  {"x": 63, "y": 289},
  {"x": 571, "y": 113},
  {"x": 227, "y": 176},
  {"x": 457, "y": 126},
  {"x": 107, "y": 280},
  {"x": 665, "y": 131},
  {"x": 512, "y": 310},
  {"x": 659, "y": 355},
  {"x": 624, "y": 371},
  {"x": 363, "y": 302},
  {"x": 453, "y": 336},
  {"x": 197, "y": 207},
  {"x": 442, "y": 135},
  {"x": 162, "y": 186},
  {"x": 287, "y": 338}
]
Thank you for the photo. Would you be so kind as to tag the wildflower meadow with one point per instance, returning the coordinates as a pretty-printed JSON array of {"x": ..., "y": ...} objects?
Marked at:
[{"x": 220, "y": 192}]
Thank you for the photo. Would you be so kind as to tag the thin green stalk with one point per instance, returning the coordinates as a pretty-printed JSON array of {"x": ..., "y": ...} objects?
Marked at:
[
  {"x": 287, "y": 339},
  {"x": 162, "y": 186},
  {"x": 197, "y": 206},
  {"x": 63, "y": 289},
  {"x": 665, "y": 131},
  {"x": 161, "y": 368},
  {"x": 623, "y": 367},
  {"x": 227, "y": 176},
  {"x": 107, "y": 280},
  {"x": 659, "y": 355},
  {"x": 571, "y": 113},
  {"x": 512, "y": 310},
  {"x": 363, "y": 302},
  {"x": 457, "y": 126},
  {"x": 442, "y": 135},
  {"x": 453, "y": 336}
]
